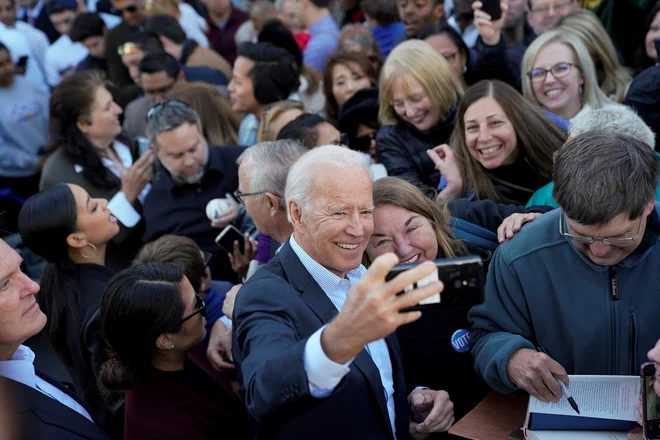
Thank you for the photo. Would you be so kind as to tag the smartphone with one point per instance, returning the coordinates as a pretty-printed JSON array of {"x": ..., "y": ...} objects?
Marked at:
[
  {"x": 225, "y": 240},
  {"x": 463, "y": 278},
  {"x": 492, "y": 8},
  {"x": 650, "y": 403},
  {"x": 143, "y": 145}
]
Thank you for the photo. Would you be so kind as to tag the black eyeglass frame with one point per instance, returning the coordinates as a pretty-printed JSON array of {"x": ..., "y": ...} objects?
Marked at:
[{"x": 200, "y": 305}]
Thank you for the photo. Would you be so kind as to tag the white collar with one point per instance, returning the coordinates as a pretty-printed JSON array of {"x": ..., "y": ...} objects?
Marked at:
[{"x": 20, "y": 367}]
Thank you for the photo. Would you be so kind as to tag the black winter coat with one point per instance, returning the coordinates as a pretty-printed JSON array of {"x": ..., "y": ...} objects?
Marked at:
[{"x": 401, "y": 148}]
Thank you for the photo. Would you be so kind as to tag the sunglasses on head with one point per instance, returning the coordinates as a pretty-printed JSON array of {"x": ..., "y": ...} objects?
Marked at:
[{"x": 173, "y": 103}]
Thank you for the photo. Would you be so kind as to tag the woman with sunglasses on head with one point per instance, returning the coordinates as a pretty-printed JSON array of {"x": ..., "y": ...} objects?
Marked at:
[
  {"x": 88, "y": 148},
  {"x": 71, "y": 231},
  {"x": 153, "y": 322},
  {"x": 559, "y": 75}
]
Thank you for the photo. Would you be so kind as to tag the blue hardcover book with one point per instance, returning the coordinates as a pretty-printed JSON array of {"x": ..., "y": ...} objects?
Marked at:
[{"x": 606, "y": 403}]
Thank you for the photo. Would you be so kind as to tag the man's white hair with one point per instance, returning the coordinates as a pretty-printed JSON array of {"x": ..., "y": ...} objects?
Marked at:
[
  {"x": 617, "y": 119},
  {"x": 318, "y": 162}
]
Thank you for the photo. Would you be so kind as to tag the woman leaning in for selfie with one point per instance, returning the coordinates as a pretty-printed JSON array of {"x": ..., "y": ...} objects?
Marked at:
[{"x": 410, "y": 225}]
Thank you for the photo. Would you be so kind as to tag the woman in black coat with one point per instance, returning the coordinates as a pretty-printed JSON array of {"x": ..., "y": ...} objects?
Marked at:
[
  {"x": 410, "y": 225},
  {"x": 71, "y": 231},
  {"x": 419, "y": 94}
]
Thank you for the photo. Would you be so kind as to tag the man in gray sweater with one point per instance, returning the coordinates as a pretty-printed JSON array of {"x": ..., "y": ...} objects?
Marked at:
[
  {"x": 23, "y": 129},
  {"x": 583, "y": 282}
]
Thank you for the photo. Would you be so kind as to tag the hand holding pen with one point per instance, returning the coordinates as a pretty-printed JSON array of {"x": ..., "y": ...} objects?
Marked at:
[
  {"x": 536, "y": 373},
  {"x": 564, "y": 388}
]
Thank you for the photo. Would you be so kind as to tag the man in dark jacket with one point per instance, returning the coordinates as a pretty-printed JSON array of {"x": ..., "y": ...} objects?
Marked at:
[
  {"x": 644, "y": 97},
  {"x": 580, "y": 282},
  {"x": 35, "y": 12},
  {"x": 191, "y": 174},
  {"x": 40, "y": 406},
  {"x": 223, "y": 21}
]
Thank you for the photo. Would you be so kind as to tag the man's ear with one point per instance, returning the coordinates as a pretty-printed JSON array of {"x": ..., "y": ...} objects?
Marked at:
[
  {"x": 438, "y": 12},
  {"x": 649, "y": 208},
  {"x": 295, "y": 213},
  {"x": 273, "y": 203},
  {"x": 76, "y": 240},
  {"x": 164, "y": 342}
]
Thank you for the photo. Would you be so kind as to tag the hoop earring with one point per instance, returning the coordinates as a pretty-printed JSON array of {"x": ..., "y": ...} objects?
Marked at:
[{"x": 93, "y": 247}]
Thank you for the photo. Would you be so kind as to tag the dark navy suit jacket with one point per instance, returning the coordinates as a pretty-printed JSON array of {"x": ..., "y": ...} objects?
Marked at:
[{"x": 277, "y": 310}]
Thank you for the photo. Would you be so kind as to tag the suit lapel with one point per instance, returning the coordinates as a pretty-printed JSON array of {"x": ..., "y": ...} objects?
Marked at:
[
  {"x": 401, "y": 420},
  {"x": 52, "y": 412},
  {"x": 321, "y": 305},
  {"x": 57, "y": 384}
]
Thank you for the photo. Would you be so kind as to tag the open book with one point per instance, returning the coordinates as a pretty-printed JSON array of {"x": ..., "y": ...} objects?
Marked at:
[{"x": 607, "y": 410}]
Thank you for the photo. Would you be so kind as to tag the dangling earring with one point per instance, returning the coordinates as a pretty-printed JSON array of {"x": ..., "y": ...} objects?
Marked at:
[
  {"x": 464, "y": 68},
  {"x": 171, "y": 346},
  {"x": 92, "y": 246}
]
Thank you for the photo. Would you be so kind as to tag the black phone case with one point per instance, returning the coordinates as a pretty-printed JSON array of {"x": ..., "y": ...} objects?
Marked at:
[
  {"x": 227, "y": 242},
  {"x": 492, "y": 8},
  {"x": 463, "y": 278},
  {"x": 651, "y": 428}
]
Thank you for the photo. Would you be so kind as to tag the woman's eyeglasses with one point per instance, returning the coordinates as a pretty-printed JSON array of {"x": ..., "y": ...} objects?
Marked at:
[
  {"x": 208, "y": 257},
  {"x": 172, "y": 103},
  {"x": 200, "y": 308},
  {"x": 559, "y": 70}
]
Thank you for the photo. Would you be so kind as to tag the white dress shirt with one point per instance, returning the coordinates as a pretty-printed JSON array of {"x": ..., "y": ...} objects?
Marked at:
[
  {"x": 469, "y": 35},
  {"x": 193, "y": 24},
  {"x": 20, "y": 368},
  {"x": 324, "y": 374},
  {"x": 63, "y": 56}
]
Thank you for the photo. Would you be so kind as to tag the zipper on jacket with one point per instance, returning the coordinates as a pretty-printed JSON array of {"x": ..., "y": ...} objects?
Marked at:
[
  {"x": 614, "y": 284},
  {"x": 633, "y": 344}
]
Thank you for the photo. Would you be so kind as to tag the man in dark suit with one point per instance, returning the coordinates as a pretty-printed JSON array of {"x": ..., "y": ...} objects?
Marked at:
[
  {"x": 40, "y": 406},
  {"x": 35, "y": 12},
  {"x": 313, "y": 330}
]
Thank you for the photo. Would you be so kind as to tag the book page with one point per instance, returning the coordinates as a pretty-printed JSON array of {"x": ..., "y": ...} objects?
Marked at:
[
  {"x": 602, "y": 397},
  {"x": 577, "y": 435}
]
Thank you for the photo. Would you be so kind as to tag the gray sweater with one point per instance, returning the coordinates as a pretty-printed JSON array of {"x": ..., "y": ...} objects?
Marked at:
[
  {"x": 542, "y": 291},
  {"x": 23, "y": 127}
]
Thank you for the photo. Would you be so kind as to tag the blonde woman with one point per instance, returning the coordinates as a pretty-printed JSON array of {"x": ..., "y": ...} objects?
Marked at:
[
  {"x": 419, "y": 94},
  {"x": 613, "y": 78},
  {"x": 276, "y": 116},
  {"x": 219, "y": 121},
  {"x": 559, "y": 75}
]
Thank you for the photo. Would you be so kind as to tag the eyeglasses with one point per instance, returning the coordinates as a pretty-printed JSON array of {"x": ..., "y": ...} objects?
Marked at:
[
  {"x": 200, "y": 307},
  {"x": 131, "y": 9},
  {"x": 127, "y": 49},
  {"x": 173, "y": 103},
  {"x": 162, "y": 90},
  {"x": 207, "y": 259},
  {"x": 618, "y": 241},
  {"x": 362, "y": 143},
  {"x": 556, "y": 7},
  {"x": 238, "y": 196},
  {"x": 342, "y": 141},
  {"x": 559, "y": 70},
  {"x": 450, "y": 57}
]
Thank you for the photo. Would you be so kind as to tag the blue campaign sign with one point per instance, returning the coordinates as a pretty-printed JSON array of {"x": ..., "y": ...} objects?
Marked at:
[{"x": 460, "y": 340}]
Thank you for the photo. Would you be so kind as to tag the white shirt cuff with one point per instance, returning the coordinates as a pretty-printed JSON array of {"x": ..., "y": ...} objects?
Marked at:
[
  {"x": 226, "y": 321},
  {"x": 121, "y": 208},
  {"x": 323, "y": 374}
]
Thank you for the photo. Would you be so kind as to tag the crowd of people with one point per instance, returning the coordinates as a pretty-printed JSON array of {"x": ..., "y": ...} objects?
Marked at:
[{"x": 336, "y": 139}]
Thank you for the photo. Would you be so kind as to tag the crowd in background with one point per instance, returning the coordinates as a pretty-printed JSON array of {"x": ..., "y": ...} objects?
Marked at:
[{"x": 338, "y": 139}]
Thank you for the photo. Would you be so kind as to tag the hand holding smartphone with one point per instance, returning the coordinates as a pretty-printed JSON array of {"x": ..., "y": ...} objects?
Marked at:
[
  {"x": 463, "y": 278},
  {"x": 492, "y": 8},
  {"x": 225, "y": 240}
]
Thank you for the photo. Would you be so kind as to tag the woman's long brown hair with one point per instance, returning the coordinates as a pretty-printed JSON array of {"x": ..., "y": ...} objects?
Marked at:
[
  {"x": 538, "y": 138},
  {"x": 398, "y": 192}
]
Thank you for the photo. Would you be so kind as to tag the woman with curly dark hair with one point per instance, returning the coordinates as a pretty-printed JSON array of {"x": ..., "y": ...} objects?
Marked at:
[{"x": 88, "y": 148}]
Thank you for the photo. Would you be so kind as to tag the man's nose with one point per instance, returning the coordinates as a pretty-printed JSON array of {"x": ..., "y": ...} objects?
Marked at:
[
  {"x": 355, "y": 227},
  {"x": 599, "y": 249}
]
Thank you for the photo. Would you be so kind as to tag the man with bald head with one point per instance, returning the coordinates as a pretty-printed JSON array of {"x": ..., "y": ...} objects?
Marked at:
[
  {"x": 41, "y": 407},
  {"x": 313, "y": 330}
]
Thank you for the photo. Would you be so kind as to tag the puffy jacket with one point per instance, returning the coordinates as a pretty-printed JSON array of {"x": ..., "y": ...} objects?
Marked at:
[{"x": 402, "y": 149}]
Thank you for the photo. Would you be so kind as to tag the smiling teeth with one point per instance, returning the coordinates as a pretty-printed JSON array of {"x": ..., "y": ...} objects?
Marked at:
[
  {"x": 553, "y": 92},
  {"x": 347, "y": 246},
  {"x": 411, "y": 260},
  {"x": 490, "y": 149}
]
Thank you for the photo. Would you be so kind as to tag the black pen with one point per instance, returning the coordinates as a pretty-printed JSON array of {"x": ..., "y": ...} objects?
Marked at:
[{"x": 564, "y": 390}]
